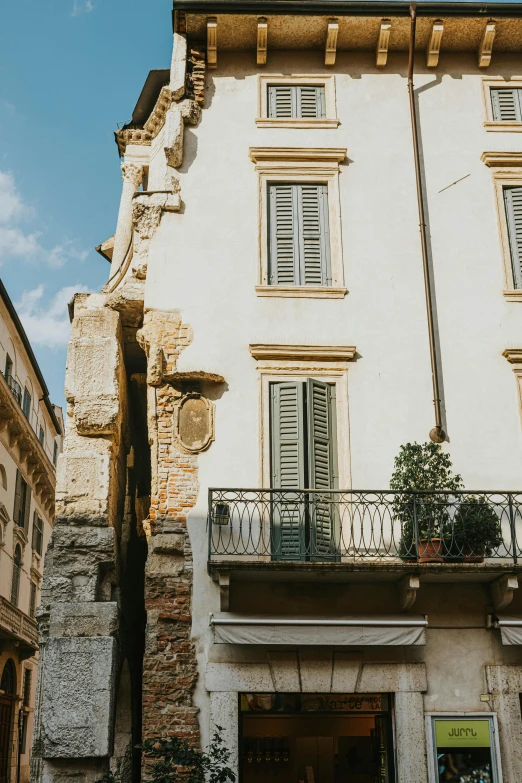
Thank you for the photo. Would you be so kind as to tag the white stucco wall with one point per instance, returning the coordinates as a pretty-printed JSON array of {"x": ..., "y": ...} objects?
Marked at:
[{"x": 204, "y": 262}]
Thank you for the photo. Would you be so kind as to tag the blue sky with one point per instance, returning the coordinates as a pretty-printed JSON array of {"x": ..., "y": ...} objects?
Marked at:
[{"x": 70, "y": 71}]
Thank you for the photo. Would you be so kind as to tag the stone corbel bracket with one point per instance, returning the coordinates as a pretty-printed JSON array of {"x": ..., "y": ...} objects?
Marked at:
[
  {"x": 486, "y": 44},
  {"x": 502, "y": 591},
  {"x": 223, "y": 580},
  {"x": 407, "y": 587}
]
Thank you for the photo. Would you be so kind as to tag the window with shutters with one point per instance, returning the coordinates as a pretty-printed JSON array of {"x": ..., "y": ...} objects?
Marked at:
[
  {"x": 8, "y": 367},
  {"x": 55, "y": 453},
  {"x": 22, "y": 502},
  {"x": 300, "y": 222},
  {"x": 503, "y": 104},
  {"x": 32, "y": 601},
  {"x": 15, "y": 580},
  {"x": 513, "y": 206},
  {"x": 297, "y": 101},
  {"x": 506, "y": 104},
  {"x": 299, "y": 241},
  {"x": 37, "y": 542},
  {"x": 26, "y": 405},
  {"x": 303, "y": 447}
]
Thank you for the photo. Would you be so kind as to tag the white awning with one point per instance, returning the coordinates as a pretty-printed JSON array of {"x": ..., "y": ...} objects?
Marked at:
[
  {"x": 510, "y": 629},
  {"x": 360, "y": 630}
]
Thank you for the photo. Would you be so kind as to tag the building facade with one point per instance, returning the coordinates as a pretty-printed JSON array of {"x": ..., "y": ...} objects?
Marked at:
[
  {"x": 30, "y": 441},
  {"x": 227, "y": 550}
]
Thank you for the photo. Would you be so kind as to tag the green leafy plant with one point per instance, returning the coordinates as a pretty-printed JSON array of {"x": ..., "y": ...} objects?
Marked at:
[
  {"x": 425, "y": 469},
  {"x": 477, "y": 530},
  {"x": 173, "y": 760}
]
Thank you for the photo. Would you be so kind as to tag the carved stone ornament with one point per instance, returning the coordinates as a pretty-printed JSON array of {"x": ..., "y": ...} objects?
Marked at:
[{"x": 194, "y": 423}]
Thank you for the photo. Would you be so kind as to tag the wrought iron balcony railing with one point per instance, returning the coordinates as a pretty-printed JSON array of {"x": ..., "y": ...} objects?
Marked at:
[
  {"x": 303, "y": 525},
  {"x": 15, "y": 388}
]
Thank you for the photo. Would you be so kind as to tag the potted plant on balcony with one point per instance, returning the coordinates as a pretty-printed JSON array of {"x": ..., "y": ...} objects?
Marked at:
[
  {"x": 477, "y": 530},
  {"x": 427, "y": 471}
]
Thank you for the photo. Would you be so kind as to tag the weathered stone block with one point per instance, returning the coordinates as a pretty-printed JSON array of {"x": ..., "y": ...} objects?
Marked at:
[
  {"x": 167, "y": 544},
  {"x": 78, "y": 695}
]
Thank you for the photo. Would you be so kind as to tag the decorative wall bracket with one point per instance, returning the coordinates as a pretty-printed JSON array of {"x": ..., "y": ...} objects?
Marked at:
[
  {"x": 502, "y": 591},
  {"x": 193, "y": 423},
  {"x": 408, "y": 586}
]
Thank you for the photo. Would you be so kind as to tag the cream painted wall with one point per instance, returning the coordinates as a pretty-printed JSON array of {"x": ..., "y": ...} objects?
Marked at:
[
  {"x": 204, "y": 262},
  {"x": 10, "y": 343}
]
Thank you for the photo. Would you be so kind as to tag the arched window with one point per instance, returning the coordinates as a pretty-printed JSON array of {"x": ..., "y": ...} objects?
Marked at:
[
  {"x": 8, "y": 681},
  {"x": 17, "y": 567},
  {"x": 3, "y": 477}
]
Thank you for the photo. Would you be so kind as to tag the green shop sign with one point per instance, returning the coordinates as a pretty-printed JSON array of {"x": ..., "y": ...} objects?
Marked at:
[{"x": 462, "y": 733}]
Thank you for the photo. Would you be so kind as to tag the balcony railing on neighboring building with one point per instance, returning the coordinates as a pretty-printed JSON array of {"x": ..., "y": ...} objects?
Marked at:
[
  {"x": 15, "y": 388},
  {"x": 306, "y": 525},
  {"x": 16, "y": 623}
]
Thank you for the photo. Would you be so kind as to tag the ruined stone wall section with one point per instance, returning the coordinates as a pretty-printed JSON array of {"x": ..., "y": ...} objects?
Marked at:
[
  {"x": 78, "y": 618},
  {"x": 169, "y": 667}
]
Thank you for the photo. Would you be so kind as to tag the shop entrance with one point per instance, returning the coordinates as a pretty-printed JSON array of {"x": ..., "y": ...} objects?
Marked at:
[{"x": 316, "y": 738}]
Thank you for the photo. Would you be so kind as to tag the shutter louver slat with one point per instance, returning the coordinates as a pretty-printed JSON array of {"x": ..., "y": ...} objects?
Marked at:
[
  {"x": 18, "y": 498},
  {"x": 283, "y": 235},
  {"x": 506, "y": 105},
  {"x": 321, "y": 471},
  {"x": 513, "y": 203},
  {"x": 27, "y": 507},
  {"x": 281, "y": 101},
  {"x": 287, "y": 442},
  {"x": 313, "y": 245},
  {"x": 311, "y": 102}
]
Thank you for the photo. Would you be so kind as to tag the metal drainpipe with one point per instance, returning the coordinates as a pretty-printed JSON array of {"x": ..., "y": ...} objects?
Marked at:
[{"x": 437, "y": 434}]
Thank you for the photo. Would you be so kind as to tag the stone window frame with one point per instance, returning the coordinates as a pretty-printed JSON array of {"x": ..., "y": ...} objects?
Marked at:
[
  {"x": 326, "y": 80},
  {"x": 431, "y": 746},
  {"x": 497, "y": 125},
  {"x": 300, "y": 165},
  {"x": 505, "y": 176},
  {"x": 279, "y": 371}
]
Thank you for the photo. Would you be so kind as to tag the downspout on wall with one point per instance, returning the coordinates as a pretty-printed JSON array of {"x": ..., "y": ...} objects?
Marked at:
[{"x": 437, "y": 434}]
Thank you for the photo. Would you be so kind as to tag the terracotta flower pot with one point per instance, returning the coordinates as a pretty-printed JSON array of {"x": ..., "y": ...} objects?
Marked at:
[
  {"x": 471, "y": 557},
  {"x": 430, "y": 550}
]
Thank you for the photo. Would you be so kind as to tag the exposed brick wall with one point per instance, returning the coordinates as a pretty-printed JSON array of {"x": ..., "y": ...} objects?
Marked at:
[{"x": 169, "y": 666}]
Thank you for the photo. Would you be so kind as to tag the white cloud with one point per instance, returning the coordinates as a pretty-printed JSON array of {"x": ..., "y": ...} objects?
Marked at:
[
  {"x": 47, "y": 323},
  {"x": 12, "y": 206},
  {"x": 16, "y": 242},
  {"x": 82, "y": 7}
]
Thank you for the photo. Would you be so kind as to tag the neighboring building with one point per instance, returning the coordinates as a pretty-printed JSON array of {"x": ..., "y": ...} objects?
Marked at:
[
  {"x": 30, "y": 440},
  {"x": 264, "y": 330}
]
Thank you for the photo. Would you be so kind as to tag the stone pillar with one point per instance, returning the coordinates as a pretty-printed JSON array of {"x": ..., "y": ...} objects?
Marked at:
[
  {"x": 131, "y": 178},
  {"x": 411, "y": 737},
  {"x": 505, "y": 686},
  {"x": 79, "y": 614}
]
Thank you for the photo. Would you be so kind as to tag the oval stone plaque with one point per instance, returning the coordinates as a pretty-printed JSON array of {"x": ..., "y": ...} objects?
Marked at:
[{"x": 195, "y": 423}]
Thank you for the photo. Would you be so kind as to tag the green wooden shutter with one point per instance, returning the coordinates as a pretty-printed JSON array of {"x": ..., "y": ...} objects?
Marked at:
[
  {"x": 506, "y": 104},
  {"x": 281, "y": 101},
  {"x": 35, "y": 531},
  {"x": 283, "y": 228},
  {"x": 322, "y": 468},
  {"x": 17, "y": 510},
  {"x": 287, "y": 468},
  {"x": 513, "y": 202},
  {"x": 26, "y": 407},
  {"x": 27, "y": 506},
  {"x": 311, "y": 102},
  {"x": 314, "y": 241}
]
